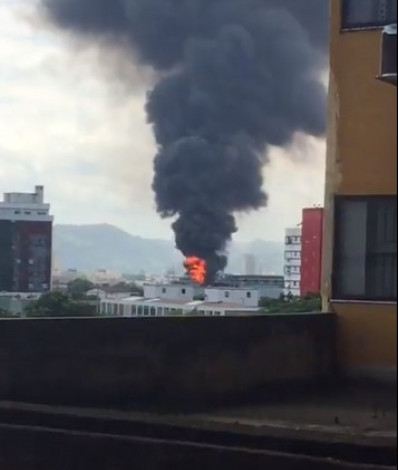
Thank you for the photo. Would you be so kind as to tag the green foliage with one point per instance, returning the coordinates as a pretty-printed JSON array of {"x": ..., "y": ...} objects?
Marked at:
[
  {"x": 289, "y": 304},
  {"x": 177, "y": 313},
  {"x": 5, "y": 314},
  {"x": 199, "y": 298},
  {"x": 56, "y": 304},
  {"x": 78, "y": 288}
]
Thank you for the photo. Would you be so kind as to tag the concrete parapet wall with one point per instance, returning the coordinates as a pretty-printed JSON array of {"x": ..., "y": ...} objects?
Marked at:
[{"x": 159, "y": 360}]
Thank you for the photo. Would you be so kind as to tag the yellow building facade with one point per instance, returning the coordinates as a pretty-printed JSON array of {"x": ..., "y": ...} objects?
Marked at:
[{"x": 360, "y": 253}]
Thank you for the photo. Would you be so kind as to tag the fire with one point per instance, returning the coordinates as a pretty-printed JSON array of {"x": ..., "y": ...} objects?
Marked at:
[{"x": 196, "y": 268}]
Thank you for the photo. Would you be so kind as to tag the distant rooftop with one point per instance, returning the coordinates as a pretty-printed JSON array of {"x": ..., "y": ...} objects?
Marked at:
[
  {"x": 25, "y": 198},
  {"x": 178, "y": 303},
  {"x": 25, "y": 206}
]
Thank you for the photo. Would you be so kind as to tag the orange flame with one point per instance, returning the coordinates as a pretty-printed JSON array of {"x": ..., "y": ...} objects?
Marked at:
[{"x": 196, "y": 268}]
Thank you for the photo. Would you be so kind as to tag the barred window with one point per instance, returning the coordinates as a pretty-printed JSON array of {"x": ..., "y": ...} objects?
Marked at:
[
  {"x": 368, "y": 13},
  {"x": 365, "y": 262}
]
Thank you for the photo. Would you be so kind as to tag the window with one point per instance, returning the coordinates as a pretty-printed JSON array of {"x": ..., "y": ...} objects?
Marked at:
[
  {"x": 248, "y": 295},
  {"x": 292, "y": 240},
  {"x": 163, "y": 290},
  {"x": 183, "y": 291},
  {"x": 365, "y": 259},
  {"x": 368, "y": 13},
  {"x": 226, "y": 295}
]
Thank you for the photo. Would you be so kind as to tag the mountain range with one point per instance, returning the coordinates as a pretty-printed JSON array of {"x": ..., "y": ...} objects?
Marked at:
[{"x": 103, "y": 246}]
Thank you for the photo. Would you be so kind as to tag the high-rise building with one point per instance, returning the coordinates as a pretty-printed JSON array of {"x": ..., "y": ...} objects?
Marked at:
[
  {"x": 303, "y": 254},
  {"x": 311, "y": 251},
  {"x": 25, "y": 242},
  {"x": 359, "y": 278},
  {"x": 250, "y": 265},
  {"x": 292, "y": 268}
]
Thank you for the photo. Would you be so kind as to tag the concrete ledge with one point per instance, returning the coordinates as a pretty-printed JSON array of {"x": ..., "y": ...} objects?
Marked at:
[
  {"x": 379, "y": 374},
  {"x": 48, "y": 449},
  {"x": 161, "y": 361}
]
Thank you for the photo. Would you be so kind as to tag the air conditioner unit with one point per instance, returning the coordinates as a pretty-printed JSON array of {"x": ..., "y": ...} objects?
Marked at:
[{"x": 388, "y": 62}]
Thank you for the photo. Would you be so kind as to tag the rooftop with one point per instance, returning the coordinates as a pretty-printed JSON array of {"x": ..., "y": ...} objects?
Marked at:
[{"x": 178, "y": 303}]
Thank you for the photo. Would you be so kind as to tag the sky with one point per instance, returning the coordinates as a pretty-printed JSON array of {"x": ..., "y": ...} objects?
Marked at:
[{"x": 69, "y": 124}]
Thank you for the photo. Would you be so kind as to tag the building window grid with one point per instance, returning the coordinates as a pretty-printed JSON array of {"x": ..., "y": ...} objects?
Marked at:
[
  {"x": 292, "y": 240},
  {"x": 380, "y": 263}
]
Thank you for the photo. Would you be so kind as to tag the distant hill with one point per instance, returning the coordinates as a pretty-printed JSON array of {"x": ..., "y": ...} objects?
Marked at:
[{"x": 91, "y": 247}]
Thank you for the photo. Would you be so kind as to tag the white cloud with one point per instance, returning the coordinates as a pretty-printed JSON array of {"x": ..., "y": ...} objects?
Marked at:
[{"x": 63, "y": 126}]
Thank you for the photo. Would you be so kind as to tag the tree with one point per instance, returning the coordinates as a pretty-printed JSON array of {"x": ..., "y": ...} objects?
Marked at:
[
  {"x": 56, "y": 304},
  {"x": 79, "y": 287},
  {"x": 289, "y": 304}
]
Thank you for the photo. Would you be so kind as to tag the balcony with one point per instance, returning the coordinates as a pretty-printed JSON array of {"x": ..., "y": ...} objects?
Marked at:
[{"x": 388, "y": 62}]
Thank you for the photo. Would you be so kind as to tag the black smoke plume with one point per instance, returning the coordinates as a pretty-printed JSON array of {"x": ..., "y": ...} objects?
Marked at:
[{"x": 237, "y": 76}]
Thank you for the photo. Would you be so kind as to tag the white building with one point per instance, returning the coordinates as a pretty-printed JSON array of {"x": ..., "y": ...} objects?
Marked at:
[
  {"x": 180, "y": 292},
  {"x": 270, "y": 287},
  {"x": 27, "y": 207},
  {"x": 250, "y": 265},
  {"x": 292, "y": 261},
  {"x": 248, "y": 298},
  {"x": 217, "y": 302}
]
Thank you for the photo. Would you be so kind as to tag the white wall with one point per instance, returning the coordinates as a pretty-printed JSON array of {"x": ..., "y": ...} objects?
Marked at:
[
  {"x": 292, "y": 260},
  {"x": 244, "y": 297},
  {"x": 170, "y": 292},
  {"x": 144, "y": 308},
  {"x": 25, "y": 206}
]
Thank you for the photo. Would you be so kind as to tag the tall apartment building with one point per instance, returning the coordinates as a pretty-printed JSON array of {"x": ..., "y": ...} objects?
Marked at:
[
  {"x": 25, "y": 242},
  {"x": 250, "y": 265},
  {"x": 292, "y": 268},
  {"x": 303, "y": 254},
  {"x": 359, "y": 268},
  {"x": 311, "y": 251}
]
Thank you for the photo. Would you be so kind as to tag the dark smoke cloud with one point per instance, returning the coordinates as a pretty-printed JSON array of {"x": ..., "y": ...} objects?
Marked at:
[{"x": 240, "y": 75}]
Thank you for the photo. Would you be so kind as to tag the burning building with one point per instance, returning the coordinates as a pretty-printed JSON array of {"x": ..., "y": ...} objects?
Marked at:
[{"x": 234, "y": 78}]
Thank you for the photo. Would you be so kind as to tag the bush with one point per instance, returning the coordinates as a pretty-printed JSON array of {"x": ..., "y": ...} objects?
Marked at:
[
  {"x": 289, "y": 304},
  {"x": 56, "y": 304}
]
